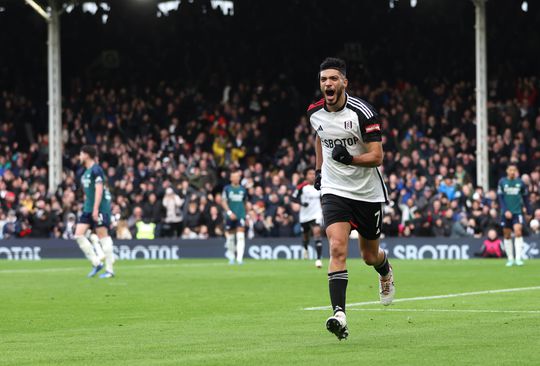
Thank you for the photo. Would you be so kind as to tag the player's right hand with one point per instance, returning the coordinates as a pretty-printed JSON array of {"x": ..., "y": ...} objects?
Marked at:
[
  {"x": 305, "y": 204},
  {"x": 508, "y": 215},
  {"x": 318, "y": 178}
]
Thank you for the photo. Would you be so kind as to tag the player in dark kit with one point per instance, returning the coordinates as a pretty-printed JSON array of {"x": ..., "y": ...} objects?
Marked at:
[
  {"x": 96, "y": 214},
  {"x": 234, "y": 204},
  {"x": 513, "y": 197},
  {"x": 348, "y": 153}
]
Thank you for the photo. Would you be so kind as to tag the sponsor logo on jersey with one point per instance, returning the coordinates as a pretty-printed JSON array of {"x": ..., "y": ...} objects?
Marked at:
[{"x": 349, "y": 141}]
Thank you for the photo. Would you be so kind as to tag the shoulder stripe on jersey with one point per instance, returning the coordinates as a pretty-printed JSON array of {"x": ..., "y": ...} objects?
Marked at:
[
  {"x": 383, "y": 186},
  {"x": 359, "y": 109},
  {"x": 367, "y": 112},
  {"x": 362, "y": 104},
  {"x": 316, "y": 104}
]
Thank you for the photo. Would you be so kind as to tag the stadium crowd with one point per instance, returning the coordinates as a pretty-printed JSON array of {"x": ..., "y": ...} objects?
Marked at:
[{"x": 167, "y": 153}]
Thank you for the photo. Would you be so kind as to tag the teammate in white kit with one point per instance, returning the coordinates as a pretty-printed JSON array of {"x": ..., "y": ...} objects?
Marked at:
[
  {"x": 309, "y": 199},
  {"x": 348, "y": 153}
]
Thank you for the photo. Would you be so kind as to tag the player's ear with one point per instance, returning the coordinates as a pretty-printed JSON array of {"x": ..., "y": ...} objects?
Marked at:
[{"x": 345, "y": 82}]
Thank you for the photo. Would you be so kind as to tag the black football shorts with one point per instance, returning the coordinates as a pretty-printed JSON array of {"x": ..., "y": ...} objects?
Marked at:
[{"x": 364, "y": 217}]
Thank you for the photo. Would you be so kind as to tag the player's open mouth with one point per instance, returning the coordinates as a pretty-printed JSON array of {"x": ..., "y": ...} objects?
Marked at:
[{"x": 330, "y": 95}]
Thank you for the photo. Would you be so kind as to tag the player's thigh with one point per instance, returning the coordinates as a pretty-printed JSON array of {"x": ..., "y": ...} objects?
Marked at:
[
  {"x": 335, "y": 210},
  {"x": 507, "y": 232},
  {"x": 338, "y": 237},
  {"x": 367, "y": 219}
]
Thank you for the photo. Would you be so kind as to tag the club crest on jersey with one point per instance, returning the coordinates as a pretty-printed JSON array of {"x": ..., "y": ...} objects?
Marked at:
[
  {"x": 372, "y": 128},
  {"x": 347, "y": 125}
]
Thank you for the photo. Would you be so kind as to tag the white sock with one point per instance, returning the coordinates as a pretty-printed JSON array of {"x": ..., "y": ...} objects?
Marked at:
[
  {"x": 107, "y": 245},
  {"x": 88, "y": 250},
  {"x": 518, "y": 242},
  {"x": 229, "y": 244},
  {"x": 97, "y": 246},
  {"x": 509, "y": 249},
  {"x": 240, "y": 246}
]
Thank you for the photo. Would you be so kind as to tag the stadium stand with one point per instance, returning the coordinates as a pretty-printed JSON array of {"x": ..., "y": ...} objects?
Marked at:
[{"x": 168, "y": 146}]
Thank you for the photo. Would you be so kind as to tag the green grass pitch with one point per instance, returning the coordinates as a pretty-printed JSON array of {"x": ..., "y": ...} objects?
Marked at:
[{"x": 205, "y": 312}]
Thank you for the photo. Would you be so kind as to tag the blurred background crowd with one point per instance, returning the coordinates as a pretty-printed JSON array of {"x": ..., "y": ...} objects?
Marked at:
[{"x": 167, "y": 142}]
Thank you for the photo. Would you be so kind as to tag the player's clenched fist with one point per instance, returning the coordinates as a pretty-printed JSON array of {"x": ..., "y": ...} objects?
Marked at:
[
  {"x": 318, "y": 177},
  {"x": 341, "y": 154}
]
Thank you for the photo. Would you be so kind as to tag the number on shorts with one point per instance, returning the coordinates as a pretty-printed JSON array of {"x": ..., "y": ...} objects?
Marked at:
[{"x": 378, "y": 216}]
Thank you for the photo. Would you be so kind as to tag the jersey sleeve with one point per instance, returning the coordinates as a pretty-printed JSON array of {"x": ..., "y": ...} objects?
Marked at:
[
  {"x": 371, "y": 129},
  {"x": 500, "y": 187},
  {"x": 98, "y": 175},
  {"x": 297, "y": 194},
  {"x": 314, "y": 107},
  {"x": 368, "y": 120}
]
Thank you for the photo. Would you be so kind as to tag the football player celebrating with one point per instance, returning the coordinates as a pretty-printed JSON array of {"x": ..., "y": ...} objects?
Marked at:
[{"x": 348, "y": 153}]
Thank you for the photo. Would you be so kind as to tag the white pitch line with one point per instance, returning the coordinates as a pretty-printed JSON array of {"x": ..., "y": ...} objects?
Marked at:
[
  {"x": 141, "y": 266},
  {"x": 447, "y": 296},
  {"x": 450, "y": 311}
]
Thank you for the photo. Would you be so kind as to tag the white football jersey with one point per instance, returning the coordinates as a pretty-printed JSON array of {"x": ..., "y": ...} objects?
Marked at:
[
  {"x": 353, "y": 126},
  {"x": 306, "y": 193}
]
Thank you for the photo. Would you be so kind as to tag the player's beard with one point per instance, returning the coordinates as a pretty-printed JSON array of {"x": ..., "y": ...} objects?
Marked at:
[{"x": 334, "y": 98}]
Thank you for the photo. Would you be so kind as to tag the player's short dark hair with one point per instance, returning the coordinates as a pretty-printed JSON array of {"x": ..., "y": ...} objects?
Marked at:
[
  {"x": 334, "y": 63},
  {"x": 307, "y": 169},
  {"x": 89, "y": 150},
  {"x": 511, "y": 164}
]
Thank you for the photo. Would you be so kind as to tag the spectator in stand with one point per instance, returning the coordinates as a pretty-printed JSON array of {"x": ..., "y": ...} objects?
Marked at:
[
  {"x": 136, "y": 216},
  {"x": 153, "y": 212},
  {"x": 214, "y": 222},
  {"x": 192, "y": 222},
  {"x": 122, "y": 231},
  {"x": 459, "y": 228},
  {"x": 172, "y": 224},
  {"x": 12, "y": 226},
  {"x": 448, "y": 187},
  {"x": 167, "y": 137}
]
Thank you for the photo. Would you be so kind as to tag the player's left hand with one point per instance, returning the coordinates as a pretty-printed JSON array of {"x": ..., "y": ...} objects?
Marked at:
[
  {"x": 342, "y": 155},
  {"x": 95, "y": 216}
]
